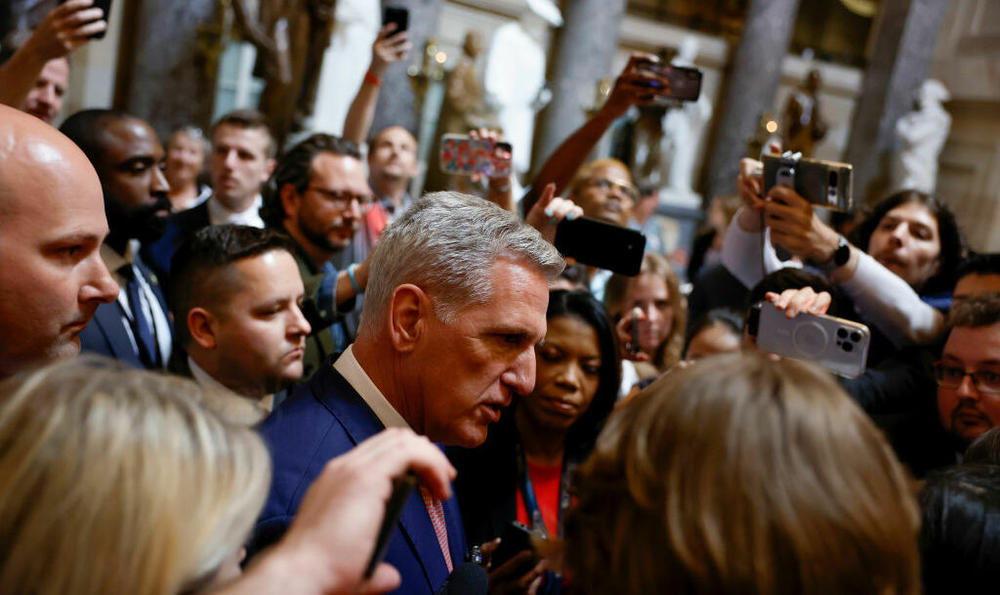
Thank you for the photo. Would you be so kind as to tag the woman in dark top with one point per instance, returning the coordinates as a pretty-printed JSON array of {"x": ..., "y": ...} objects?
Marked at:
[{"x": 521, "y": 472}]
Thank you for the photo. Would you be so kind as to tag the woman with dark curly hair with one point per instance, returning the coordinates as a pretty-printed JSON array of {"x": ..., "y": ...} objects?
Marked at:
[{"x": 521, "y": 473}]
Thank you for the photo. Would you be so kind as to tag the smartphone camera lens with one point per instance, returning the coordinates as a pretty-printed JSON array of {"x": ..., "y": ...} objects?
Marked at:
[
  {"x": 841, "y": 333},
  {"x": 833, "y": 179},
  {"x": 848, "y": 347},
  {"x": 855, "y": 336}
]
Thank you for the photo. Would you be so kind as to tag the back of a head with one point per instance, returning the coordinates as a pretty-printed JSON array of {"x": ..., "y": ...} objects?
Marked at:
[
  {"x": 119, "y": 481},
  {"x": 960, "y": 532},
  {"x": 446, "y": 243},
  {"x": 742, "y": 474}
]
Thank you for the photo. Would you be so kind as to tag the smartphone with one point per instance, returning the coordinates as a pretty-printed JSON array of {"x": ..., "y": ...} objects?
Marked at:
[
  {"x": 515, "y": 539},
  {"x": 827, "y": 184},
  {"x": 396, "y": 14},
  {"x": 603, "y": 245},
  {"x": 462, "y": 155},
  {"x": 685, "y": 82},
  {"x": 634, "y": 344},
  {"x": 838, "y": 345},
  {"x": 105, "y": 6},
  {"x": 402, "y": 487}
]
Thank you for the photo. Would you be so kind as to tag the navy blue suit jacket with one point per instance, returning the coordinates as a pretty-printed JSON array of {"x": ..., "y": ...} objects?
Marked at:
[
  {"x": 179, "y": 227},
  {"x": 106, "y": 332},
  {"x": 321, "y": 419}
]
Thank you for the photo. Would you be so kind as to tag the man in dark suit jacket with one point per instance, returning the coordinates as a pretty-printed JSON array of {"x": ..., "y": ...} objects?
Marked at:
[
  {"x": 127, "y": 156},
  {"x": 455, "y": 304}
]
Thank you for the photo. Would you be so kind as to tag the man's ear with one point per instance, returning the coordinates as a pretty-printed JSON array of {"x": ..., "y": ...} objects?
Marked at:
[
  {"x": 289, "y": 200},
  {"x": 269, "y": 168},
  {"x": 201, "y": 327},
  {"x": 409, "y": 311}
]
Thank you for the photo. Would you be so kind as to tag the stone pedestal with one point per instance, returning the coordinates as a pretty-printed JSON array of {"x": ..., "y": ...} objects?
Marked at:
[
  {"x": 753, "y": 75},
  {"x": 162, "y": 74},
  {"x": 906, "y": 32},
  {"x": 584, "y": 48},
  {"x": 396, "y": 102}
]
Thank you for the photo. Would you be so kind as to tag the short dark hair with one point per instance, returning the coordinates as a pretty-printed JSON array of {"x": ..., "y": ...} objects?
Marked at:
[
  {"x": 724, "y": 316},
  {"x": 250, "y": 119},
  {"x": 979, "y": 264},
  {"x": 952, "y": 244},
  {"x": 960, "y": 528},
  {"x": 793, "y": 278},
  {"x": 195, "y": 267},
  {"x": 295, "y": 168},
  {"x": 86, "y": 129},
  {"x": 974, "y": 311}
]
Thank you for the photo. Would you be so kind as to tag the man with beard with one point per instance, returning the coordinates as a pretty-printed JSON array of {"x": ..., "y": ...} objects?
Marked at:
[
  {"x": 129, "y": 160},
  {"x": 316, "y": 195}
]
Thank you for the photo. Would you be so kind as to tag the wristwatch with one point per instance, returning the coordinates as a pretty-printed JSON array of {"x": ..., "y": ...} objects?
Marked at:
[{"x": 840, "y": 257}]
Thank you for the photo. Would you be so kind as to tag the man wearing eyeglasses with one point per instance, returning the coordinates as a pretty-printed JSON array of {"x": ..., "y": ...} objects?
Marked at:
[
  {"x": 317, "y": 195},
  {"x": 968, "y": 374}
]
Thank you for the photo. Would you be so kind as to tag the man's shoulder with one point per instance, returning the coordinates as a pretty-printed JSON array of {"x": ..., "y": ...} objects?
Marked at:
[{"x": 191, "y": 220}]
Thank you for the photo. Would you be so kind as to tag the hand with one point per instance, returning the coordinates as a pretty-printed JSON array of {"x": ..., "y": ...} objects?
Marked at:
[
  {"x": 334, "y": 532},
  {"x": 796, "y": 228},
  {"x": 549, "y": 210},
  {"x": 505, "y": 578},
  {"x": 796, "y": 301},
  {"x": 629, "y": 350},
  {"x": 388, "y": 48},
  {"x": 750, "y": 184},
  {"x": 66, "y": 28},
  {"x": 635, "y": 86},
  {"x": 498, "y": 153}
]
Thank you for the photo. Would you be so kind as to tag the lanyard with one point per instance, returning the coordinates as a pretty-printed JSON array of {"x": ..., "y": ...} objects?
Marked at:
[{"x": 528, "y": 491}]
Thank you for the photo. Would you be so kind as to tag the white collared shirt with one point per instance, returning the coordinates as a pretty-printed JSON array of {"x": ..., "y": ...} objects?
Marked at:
[
  {"x": 150, "y": 304},
  {"x": 208, "y": 382},
  {"x": 218, "y": 214},
  {"x": 359, "y": 380}
]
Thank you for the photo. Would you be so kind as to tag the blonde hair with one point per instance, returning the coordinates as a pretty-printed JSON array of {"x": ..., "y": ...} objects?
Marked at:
[
  {"x": 617, "y": 288},
  {"x": 587, "y": 170},
  {"x": 119, "y": 481},
  {"x": 742, "y": 474}
]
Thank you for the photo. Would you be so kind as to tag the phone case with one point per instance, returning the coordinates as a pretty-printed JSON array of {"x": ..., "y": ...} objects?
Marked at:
[
  {"x": 838, "y": 345},
  {"x": 465, "y": 156},
  {"x": 827, "y": 184},
  {"x": 600, "y": 244}
]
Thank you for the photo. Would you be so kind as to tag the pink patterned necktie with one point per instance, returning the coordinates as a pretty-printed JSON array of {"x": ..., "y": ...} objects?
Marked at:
[{"x": 436, "y": 513}]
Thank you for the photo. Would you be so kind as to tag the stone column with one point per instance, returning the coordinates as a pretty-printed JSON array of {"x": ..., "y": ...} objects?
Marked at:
[
  {"x": 752, "y": 80},
  {"x": 584, "y": 48},
  {"x": 906, "y": 32},
  {"x": 162, "y": 74},
  {"x": 396, "y": 103}
]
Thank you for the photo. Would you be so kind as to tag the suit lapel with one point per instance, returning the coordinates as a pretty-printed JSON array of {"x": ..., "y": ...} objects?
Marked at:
[
  {"x": 110, "y": 320},
  {"x": 360, "y": 422}
]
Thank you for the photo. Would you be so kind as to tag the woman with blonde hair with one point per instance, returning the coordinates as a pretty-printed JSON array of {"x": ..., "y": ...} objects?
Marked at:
[
  {"x": 741, "y": 474},
  {"x": 119, "y": 481},
  {"x": 654, "y": 299}
]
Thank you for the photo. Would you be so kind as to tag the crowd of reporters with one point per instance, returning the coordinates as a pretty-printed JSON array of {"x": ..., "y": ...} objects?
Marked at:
[{"x": 294, "y": 332}]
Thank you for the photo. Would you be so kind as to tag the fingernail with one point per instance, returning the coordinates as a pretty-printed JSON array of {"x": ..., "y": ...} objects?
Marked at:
[
  {"x": 549, "y": 212},
  {"x": 571, "y": 216}
]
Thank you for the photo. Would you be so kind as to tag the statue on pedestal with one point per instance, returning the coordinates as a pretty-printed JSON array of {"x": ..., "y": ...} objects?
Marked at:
[
  {"x": 515, "y": 76},
  {"x": 682, "y": 127},
  {"x": 291, "y": 37},
  {"x": 803, "y": 123},
  {"x": 920, "y": 136}
]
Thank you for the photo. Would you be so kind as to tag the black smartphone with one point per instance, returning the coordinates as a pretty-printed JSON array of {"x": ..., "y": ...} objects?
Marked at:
[
  {"x": 515, "y": 539},
  {"x": 396, "y": 14},
  {"x": 685, "y": 82},
  {"x": 105, "y": 6},
  {"x": 402, "y": 487},
  {"x": 827, "y": 184},
  {"x": 603, "y": 245}
]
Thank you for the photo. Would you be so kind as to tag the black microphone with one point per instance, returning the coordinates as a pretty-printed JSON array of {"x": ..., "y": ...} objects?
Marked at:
[{"x": 466, "y": 579}]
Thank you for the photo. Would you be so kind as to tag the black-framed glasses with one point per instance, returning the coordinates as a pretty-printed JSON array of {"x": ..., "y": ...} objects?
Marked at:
[
  {"x": 951, "y": 376},
  {"x": 607, "y": 185},
  {"x": 341, "y": 199}
]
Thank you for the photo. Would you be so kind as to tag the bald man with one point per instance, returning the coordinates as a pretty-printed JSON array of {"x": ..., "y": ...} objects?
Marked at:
[{"x": 52, "y": 224}]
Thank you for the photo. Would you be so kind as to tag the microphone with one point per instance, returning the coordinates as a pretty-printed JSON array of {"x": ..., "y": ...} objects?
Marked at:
[{"x": 467, "y": 579}]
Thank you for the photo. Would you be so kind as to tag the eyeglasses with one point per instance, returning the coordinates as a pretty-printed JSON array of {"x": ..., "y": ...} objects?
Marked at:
[
  {"x": 607, "y": 185},
  {"x": 341, "y": 199},
  {"x": 949, "y": 376}
]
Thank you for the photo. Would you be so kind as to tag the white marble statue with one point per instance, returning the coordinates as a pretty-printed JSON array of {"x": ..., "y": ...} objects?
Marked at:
[
  {"x": 920, "y": 135},
  {"x": 515, "y": 75},
  {"x": 682, "y": 129}
]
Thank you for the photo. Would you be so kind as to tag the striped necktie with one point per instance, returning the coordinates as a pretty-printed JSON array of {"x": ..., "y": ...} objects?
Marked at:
[{"x": 436, "y": 513}]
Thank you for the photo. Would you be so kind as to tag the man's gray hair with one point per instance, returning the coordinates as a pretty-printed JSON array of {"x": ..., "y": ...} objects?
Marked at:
[{"x": 446, "y": 244}]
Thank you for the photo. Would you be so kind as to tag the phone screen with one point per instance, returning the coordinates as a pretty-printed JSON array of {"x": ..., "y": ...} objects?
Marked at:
[{"x": 602, "y": 245}]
